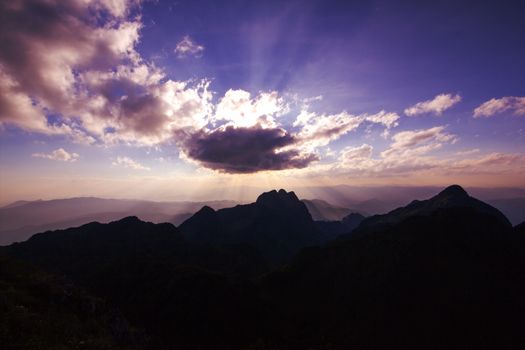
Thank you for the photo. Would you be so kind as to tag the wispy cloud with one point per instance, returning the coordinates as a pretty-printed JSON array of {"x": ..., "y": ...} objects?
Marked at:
[
  {"x": 436, "y": 106},
  {"x": 188, "y": 47},
  {"x": 351, "y": 153},
  {"x": 515, "y": 105},
  {"x": 59, "y": 155},
  {"x": 129, "y": 163}
]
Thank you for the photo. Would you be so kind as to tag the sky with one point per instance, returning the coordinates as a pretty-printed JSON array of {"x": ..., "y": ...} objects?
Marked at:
[{"x": 168, "y": 100}]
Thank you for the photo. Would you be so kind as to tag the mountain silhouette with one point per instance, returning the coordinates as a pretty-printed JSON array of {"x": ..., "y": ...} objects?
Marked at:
[
  {"x": 324, "y": 211},
  {"x": 156, "y": 278},
  {"x": 20, "y": 220},
  {"x": 332, "y": 229},
  {"x": 451, "y": 197},
  {"x": 448, "y": 272},
  {"x": 278, "y": 224},
  {"x": 452, "y": 278}
]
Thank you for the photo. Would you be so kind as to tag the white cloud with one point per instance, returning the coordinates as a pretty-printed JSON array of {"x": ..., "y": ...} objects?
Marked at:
[
  {"x": 319, "y": 130},
  {"x": 59, "y": 155},
  {"x": 187, "y": 47},
  {"x": 351, "y": 153},
  {"x": 436, "y": 106},
  {"x": 388, "y": 119},
  {"x": 129, "y": 163},
  {"x": 408, "y": 153},
  {"x": 237, "y": 108},
  {"x": 516, "y": 105},
  {"x": 416, "y": 142}
]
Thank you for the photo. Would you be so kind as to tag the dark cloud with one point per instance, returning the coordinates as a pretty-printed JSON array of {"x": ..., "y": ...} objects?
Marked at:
[
  {"x": 41, "y": 42},
  {"x": 245, "y": 150}
]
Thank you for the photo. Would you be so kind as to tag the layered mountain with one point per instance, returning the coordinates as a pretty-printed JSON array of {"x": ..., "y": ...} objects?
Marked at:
[
  {"x": 443, "y": 276},
  {"x": 448, "y": 272},
  {"x": 451, "y": 197},
  {"x": 22, "y": 219},
  {"x": 176, "y": 290},
  {"x": 324, "y": 211},
  {"x": 332, "y": 229},
  {"x": 278, "y": 224}
]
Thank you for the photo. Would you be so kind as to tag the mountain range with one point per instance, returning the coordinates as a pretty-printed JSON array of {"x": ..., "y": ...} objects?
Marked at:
[
  {"x": 445, "y": 272},
  {"x": 21, "y": 219}
]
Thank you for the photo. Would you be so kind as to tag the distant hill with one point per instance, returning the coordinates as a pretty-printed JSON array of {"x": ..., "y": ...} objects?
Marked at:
[
  {"x": 278, "y": 224},
  {"x": 324, "y": 211},
  {"x": 370, "y": 200},
  {"x": 333, "y": 229},
  {"x": 22, "y": 219}
]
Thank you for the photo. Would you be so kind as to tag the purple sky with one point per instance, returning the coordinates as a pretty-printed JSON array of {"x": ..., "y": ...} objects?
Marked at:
[{"x": 129, "y": 98}]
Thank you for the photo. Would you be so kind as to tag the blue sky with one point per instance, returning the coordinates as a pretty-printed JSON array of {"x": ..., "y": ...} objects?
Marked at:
[{"x": 211, "y": 92}]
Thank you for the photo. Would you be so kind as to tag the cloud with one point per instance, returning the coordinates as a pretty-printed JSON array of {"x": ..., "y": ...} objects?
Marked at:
[
  {"x": 187, "y": 47},
  {"x": 129, "y": 163},
  {"x": 516, "y": 105},
  {"x": 436, "y": 106},
  {"x": 47, "y": 48},
  {"x": 237, "y": 108},
  {"x": 59, "y": 155},
  {"x": 71, "y": 69},
  {"x": 492, "y": 160},
  {"x": 409, "y": 152},
  {"x": 415, "y": 142},
  {"x": 320, "y": 130},
  {"x": 245, "y": 150},
  {"x": 351, "y": 153},
  {"x": 388, "y": 119}
]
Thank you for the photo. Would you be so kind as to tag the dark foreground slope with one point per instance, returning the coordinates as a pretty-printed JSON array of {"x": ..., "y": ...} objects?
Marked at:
[
  {"x": 179, "y": 292},
  {"x": 42, "y": 311},
  {"x": 452, "y": 276}
]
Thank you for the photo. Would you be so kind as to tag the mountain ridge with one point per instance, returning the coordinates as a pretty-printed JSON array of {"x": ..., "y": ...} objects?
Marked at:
[
  {"x": 278, "y": 224},
  {"x": 453, "y": 196}
]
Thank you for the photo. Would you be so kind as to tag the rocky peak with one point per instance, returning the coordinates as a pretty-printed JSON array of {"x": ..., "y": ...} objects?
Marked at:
[
  {"x": 277, "y": 198},
  {"x": 455, "y": 191}
]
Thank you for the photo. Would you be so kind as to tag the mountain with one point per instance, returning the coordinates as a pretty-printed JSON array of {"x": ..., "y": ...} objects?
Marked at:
[
  {"x": 382, "y": 199},
  {"x": 451, "y": 197},
  {"x": 324, "y": 211},
  {"x": 451, "y": 278},
  {"x": 333, "y": 229},
  {"x": 447, "y": 272},
  {"x": 520, "y": 229},
  {"x": 278, "y": 225},
  {"x": 22, "y": 219},
  {"x": 93, "y": 245},
  {"x": 173, "y": 289}
]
